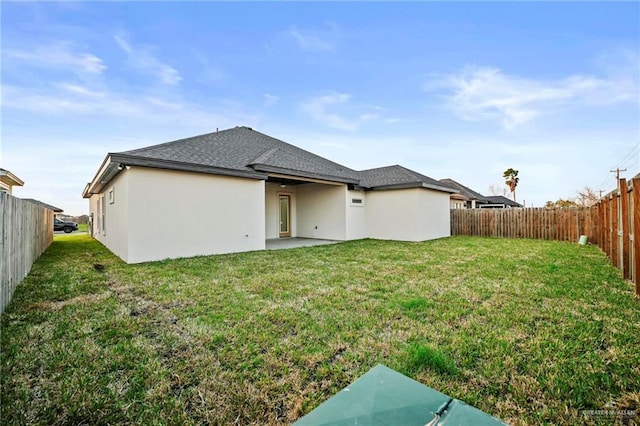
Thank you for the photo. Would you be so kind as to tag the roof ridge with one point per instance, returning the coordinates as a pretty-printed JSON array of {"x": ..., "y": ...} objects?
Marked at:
[
  {"x": 466, "y": 188},
  {"x": 150, "y": 147},
  {"x": 413, "y": 173},
  {"x": 264, "y": 157},
  {"x": 301, "y": 150}
]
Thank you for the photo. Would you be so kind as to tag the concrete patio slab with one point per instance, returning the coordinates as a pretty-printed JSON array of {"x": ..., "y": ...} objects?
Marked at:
[{"x": 286, "y": 243}]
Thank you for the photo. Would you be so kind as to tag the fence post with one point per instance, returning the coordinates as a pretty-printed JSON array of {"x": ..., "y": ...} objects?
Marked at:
[
  {"x": 623, "y": 229},
  {"x": 635, "y": 209}
]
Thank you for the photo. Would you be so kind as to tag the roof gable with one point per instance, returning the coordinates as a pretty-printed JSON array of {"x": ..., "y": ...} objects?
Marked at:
[
  {"x": 398, "y": 176},
  {"x": 466, "y": 191}
]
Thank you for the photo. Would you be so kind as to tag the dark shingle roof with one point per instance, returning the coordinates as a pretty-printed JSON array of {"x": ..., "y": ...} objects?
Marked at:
[
  {"x": 398, "y": 176},
  {"x": 245, "y": 150},
  {"x": 467, "y": 192},
  {"x": 45, "y": 205},
  {"x": 499, "y": 199}
]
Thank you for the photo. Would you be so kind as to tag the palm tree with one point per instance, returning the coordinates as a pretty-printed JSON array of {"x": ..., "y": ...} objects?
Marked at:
[{"x": 511, "y": 179}]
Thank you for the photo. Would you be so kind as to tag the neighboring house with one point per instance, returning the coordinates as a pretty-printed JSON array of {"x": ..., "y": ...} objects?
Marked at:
[
  {"x": 231, "y": 190},
  {"x": 499, "y": 202},
  {"x": 458, "y": 201},
  {"x": 471, "y": 198},
  {"x": 54, "y": 209},
  {"x": 8, "y": 180}
]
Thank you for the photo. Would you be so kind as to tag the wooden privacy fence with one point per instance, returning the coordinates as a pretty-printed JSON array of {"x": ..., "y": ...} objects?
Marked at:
[
  {"x": 26, "y": 230},
  {"x": 613, "y": 224}
]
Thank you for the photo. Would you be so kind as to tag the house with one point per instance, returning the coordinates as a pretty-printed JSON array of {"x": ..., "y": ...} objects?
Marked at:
[
  {"x": 468, "y": 196},
  {"x": 458, "y": 201},
  {"x": 8, "y": 180},
  {"x": 231, "y": 190},
  {"x": 499, "y": 202}
]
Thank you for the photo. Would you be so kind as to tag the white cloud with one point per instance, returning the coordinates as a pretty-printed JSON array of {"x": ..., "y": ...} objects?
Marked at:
[
  {"x": 270, "y": 100},
  {"x": 485, "y": 93},
  {"x": 313, "y": 41},
  {"x": 210, "y": 73},
  {"x": 62, "y": 98},
  {"x": 59, "y": 55},
  {"x": 317, "y": 109},
  {"x": 336, "y": 110},
  {"x": 142, "y": 59},
  {"x": 80, "y": 90}
]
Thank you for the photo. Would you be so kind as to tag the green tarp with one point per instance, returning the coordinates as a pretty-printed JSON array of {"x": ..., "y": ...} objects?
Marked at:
[{"x": 385, "y": 397}]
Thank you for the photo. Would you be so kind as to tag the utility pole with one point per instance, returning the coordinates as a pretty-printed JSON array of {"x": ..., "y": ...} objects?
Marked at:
[{"x": 617, "y": 172}]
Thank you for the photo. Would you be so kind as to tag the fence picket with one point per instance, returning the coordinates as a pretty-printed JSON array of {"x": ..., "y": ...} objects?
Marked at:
[{"x": 26, "y": 230}]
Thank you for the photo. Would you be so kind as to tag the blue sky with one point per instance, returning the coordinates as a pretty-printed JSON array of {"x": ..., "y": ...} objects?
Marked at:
[{"x": 451, "y": 90}]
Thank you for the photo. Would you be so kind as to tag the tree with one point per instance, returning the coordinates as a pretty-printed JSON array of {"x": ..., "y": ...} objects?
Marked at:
[
  {"x": 497, "y": 190},
  {"x": 560, "y": 204},
  {"x": 511, "y": 179},
  {"x": 587, "y": 197},
  {"x": 81, "y": 219}
]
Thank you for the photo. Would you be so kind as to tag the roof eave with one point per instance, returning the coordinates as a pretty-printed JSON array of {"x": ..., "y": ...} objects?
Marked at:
[
  {"x": 292, "y": 172},
  {"x": 11, "y": 179},
  {"x": 132, "y": 160},
  {"x": 407, "y": 185},
  {"x": 114, "y": 163},
  {"x": 103, "y": 176}
]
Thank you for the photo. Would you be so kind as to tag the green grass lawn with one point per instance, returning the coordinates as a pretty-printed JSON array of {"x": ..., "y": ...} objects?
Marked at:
[{"x": 532, "y": 332}]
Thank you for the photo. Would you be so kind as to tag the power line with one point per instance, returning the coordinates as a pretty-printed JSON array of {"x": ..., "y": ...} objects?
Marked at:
[
  {"x": 621, "y": 164},
  {"x": 630, "y": 154}
]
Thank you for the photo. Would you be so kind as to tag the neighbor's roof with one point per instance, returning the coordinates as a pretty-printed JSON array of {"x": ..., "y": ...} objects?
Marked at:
[
  {"x": 392, "y": 177},
  {"x": 467, "y": 192},
  {"x": 499, "y": 199},
  {"x": 45, "y": 205},
  {"x": 9, "y": 178},
  {"x": 244, "y": 152}
]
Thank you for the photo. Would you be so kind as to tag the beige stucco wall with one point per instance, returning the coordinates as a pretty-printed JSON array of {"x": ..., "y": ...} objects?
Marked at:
[
  {"x": 272, "y": 212},
  {"x": 415, "y": 214},
  {"x": 321, "y": 211},
  {"x": 116, "y": 230},
  {"x": 356, "y": 216},
  {"x": 457, "y": 204},
  {"x": 160, "y": 214},
  {"x": 435, "y": 217}
]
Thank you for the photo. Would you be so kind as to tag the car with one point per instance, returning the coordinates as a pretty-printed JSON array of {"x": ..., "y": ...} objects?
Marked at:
[{"x": 61, "y": 225}]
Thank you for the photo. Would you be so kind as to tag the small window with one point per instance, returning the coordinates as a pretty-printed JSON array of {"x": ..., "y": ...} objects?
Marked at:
[
  {"x": 104, "y": 216},
  {"x": 357, "y": 202},
  {"x": 112, "y": 198}
]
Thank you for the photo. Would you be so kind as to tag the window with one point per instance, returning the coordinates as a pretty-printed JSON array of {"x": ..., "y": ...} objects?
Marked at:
[
  {"x": 357, "y": 201},
  {"x": 103, "y": 216},
  {"x": 99, "y": 216},
  {"x": 111, "y": 196}
]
